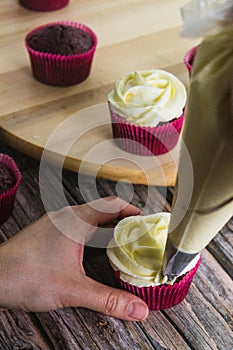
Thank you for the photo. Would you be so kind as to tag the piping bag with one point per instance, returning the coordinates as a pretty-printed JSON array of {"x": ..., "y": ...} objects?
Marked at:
[{"x": 207, "y": 136}]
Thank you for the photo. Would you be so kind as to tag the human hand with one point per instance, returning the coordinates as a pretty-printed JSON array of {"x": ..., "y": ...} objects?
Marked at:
[{"x": 41, "y": 268}]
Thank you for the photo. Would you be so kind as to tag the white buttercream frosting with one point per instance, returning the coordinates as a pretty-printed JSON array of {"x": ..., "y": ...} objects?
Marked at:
[
  {"x": 137, "y": 249},
  {"x": 148, "y": 97}
]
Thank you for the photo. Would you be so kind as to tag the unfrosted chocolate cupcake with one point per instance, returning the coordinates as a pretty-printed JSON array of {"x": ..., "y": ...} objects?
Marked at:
[
  {"x": 61, "y": 53},
  {"x": 60, "y": 39},
  {"x": 10, "y": 178},
  {"x": 7, "y": 179}
]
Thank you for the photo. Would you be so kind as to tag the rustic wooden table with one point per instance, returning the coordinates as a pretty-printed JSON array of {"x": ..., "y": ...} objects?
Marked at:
[
  {"x": 133, "y": 34},
  {"x": 202, "y": 321}
]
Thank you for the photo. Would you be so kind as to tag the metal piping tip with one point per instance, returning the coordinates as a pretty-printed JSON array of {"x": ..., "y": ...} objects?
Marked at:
[{"x": 175, "y": 261}]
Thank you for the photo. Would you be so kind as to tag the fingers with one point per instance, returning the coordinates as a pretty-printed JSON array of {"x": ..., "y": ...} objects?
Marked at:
[
  {"x": 105, "y": 210},
  {"x": 113, "y": 302},
  {"x": 79, "y": 223}
]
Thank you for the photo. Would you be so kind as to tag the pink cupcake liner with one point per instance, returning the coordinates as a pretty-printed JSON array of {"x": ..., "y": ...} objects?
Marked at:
[
  {"x": 7, "y": 198},
  {"x": 61, "y": 70},
  {"x": 145, "y": 140},
  {"x": 163, "y": 296},
  {"x": 189, "y": 58},
  {"x": 43, "y": 5}
]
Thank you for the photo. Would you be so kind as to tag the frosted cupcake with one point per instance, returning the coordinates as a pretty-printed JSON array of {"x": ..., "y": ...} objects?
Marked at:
[
  {"x": 61, "y": 53},
  {"x": 10, "y": 178},
  {"x": 136, "y": 255},
  {"x": 147, "y": 111},
  {"x": 44, "y": 5}
]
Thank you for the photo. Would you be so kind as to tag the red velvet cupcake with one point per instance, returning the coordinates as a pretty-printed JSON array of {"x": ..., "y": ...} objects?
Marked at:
[
  {"x": 136, "y": 255},
  {"x": 61, "y": 53},
  {"x": 147, "y": 111},
  {"x": 10, "y": 178},
  {"x": 44, "y": 5}
]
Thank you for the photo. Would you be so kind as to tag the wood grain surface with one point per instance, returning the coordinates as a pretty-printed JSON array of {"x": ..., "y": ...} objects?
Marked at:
[
  {"x": 203, "y": 321},
  {"x": 132, "y": 35}
]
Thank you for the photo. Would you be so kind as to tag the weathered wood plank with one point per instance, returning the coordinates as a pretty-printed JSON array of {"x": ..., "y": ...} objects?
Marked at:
[
  {"x": 18, "y": 330},
  {"x": 162, "y": 334},
  {"x": 216, "y": 286},
  {"x": 60, "y": 325},
  {"x": 221, "y": 247}
]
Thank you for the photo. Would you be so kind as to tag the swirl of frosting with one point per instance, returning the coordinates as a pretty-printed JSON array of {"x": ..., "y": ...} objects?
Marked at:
[
  {"x": 137, "y": 248},
  {"x": 148, "y": 97}
]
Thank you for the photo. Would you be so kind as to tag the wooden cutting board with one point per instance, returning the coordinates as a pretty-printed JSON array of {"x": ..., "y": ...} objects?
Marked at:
[{"x": 72, "y": 125}]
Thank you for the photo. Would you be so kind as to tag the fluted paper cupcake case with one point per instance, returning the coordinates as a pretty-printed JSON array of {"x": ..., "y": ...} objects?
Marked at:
[
  {"x": 7, "y": 198},
  {"x": 59, "y": 70},
  {"x": 145, "y": 140},
  {"x": 163, "y": 296},
  {"x": 189, "y": 58},
  {"x": 44, "y": 5}
]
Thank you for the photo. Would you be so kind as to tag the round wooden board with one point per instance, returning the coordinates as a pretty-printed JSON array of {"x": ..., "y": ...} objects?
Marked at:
[
  {"x": 39, "y": 119},
  {"x": 83, "y": 142}
]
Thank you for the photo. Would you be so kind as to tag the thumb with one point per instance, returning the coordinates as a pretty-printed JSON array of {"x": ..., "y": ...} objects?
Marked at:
[{"x": 113, "y": 302}]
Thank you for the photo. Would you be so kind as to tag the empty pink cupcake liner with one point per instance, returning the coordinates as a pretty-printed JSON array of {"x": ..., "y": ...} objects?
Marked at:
[
  {"x": 7, "y": 198},
  {"x": 43, "y": 5},
  {"x": 189, "y": 58},
  {"x": 163, "y": 296},
  {"x": 61, "y": 70},
  {"x": 145, "y": 141}
]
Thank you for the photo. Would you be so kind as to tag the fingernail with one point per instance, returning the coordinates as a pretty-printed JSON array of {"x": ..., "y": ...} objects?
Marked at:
[{"x": 137, "y": 311}]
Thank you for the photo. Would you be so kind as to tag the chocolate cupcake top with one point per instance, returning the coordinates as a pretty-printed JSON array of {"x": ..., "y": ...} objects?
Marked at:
[
  {"x": 61, "y": 40},
  {"x": 7, "y": 179}
]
